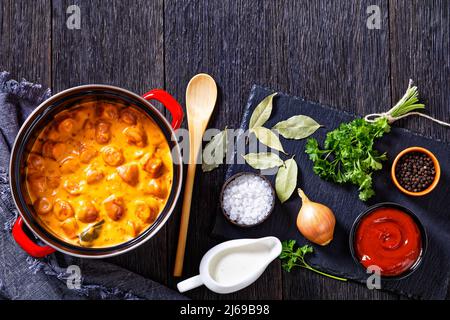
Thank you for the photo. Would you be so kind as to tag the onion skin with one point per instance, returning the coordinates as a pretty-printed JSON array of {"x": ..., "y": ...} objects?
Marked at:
[{"x": 315, "y": 221}]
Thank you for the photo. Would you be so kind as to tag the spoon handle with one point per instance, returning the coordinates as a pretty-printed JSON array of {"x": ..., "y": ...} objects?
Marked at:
[{"x": 195, "y": 144}]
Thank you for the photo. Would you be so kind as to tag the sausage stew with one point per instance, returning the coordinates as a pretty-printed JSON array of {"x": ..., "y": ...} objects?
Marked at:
[{"x": 99, "y": 174}]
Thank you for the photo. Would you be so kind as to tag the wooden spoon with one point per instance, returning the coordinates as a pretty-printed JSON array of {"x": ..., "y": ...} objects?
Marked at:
[{"x": 201, "y": 96}]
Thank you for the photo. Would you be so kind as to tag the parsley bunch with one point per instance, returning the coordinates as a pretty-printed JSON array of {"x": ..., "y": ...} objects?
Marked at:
[
  {"x": 348, "y": 155},
  {"x": 295, "y": 257}
]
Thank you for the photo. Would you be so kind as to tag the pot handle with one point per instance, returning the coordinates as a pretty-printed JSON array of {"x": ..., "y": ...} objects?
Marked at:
[
  {"x": 170, "y": 103},
  {"x": 27, "y": 244}
]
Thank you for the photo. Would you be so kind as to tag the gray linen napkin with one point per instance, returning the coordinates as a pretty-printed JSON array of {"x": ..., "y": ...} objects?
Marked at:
[{"x": 23, "y": 277}]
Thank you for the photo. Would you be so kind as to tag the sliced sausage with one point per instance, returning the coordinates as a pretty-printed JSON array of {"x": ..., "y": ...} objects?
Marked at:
[
  {"x": 47, "y": 149},
  {"x": 70, "y": 227},
  {"x": 135, "y": 227},
  {"x": 36, "y": 163},
  {"x": 129, "y": 173},
  {"x": 59, "y": 150},
  {"x": 156, "y": 188},
  {"x": 87, "y": 212},
  {"x": 153, "y": 166},
  {"x": 102, "y": 132},
  {"x": 53, "y": 181},
  {"x": 135, "y": 136},
  {"x": 109, "y": 111},
  {"x": 114, "y": 207},
  {"x": 38, "y": 184},
  {"x": 112, "y": 156},
  {"x": 63, "y": 210},
  {"x": 144, "y": 212},
  {"x": 81, "y": 115},
  {"x": 87, "y": 154},
  {"x": 67, "y": 126},
  {"x": 128, "y": 116},
  {"x": 43, "y": 205},
  {"x": 53, "y": 135},
  {"x": 74, "y": 188},
  {"x": 69, "y": 164},
  {"x": 93, "y": 175}
]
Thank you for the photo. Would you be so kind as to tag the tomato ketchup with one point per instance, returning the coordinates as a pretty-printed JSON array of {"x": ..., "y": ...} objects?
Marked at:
[{"x": 390, "y": 239}]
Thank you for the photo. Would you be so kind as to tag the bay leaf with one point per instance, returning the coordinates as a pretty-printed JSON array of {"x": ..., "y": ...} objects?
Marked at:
[
  {"x": 215, "y": 151},
  {"x": 286, "y": 180},
  {"x": 264, "y": 160},
  {"x": 268, "y": 137},
  {"x": 297, "y": 127},
  {"x": 91, "y": 233},
  {"x": 262, "y": 112}
]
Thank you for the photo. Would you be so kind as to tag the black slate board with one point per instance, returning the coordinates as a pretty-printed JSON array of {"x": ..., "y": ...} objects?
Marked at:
[{"x": 430, "y": 281}]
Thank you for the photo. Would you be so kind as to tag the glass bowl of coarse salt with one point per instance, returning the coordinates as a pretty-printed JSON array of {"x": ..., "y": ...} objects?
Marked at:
[{"x": 247, "y": 199}]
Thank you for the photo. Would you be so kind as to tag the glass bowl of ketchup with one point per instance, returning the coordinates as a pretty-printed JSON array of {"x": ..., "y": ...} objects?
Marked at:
[{"x": 390, "y": 237}]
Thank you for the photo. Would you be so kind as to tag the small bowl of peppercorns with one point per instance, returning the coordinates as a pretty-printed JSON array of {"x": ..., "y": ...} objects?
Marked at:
[{"x": 416, "y": 171}]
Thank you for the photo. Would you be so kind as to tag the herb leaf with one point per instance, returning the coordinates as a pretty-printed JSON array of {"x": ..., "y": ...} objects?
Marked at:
[
  {"x": 297, "y": 127},
  {"x": 295, "y": 257},
  {"x": 215, "y": 151},
  {"x": 91, "y": 233},
  {"x": 268, "y": 137},
  {"x": 262, "y": 112},
  {"x": 286, "y": 180},
  {"x": 262, "y": 161},
  {"x": 348, "y": 155}
]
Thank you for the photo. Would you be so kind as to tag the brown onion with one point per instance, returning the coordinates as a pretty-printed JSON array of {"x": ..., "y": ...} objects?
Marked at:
[{"x": 315, "y": 221}]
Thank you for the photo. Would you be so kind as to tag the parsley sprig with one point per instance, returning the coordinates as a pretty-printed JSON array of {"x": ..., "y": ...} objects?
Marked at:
[
  {"x": 295, "y": 257},
  {"x": 349, "y": 155}
]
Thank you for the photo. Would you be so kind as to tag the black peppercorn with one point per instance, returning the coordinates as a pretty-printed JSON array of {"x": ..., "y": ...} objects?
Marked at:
[{"x": 415, "y": 171}]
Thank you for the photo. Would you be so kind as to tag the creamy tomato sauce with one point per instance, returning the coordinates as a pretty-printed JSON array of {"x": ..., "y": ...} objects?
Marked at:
[{"x": 99, "y": 174}]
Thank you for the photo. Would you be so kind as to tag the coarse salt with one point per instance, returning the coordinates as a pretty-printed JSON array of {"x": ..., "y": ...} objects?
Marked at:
[{"x": 247, "y": 199}]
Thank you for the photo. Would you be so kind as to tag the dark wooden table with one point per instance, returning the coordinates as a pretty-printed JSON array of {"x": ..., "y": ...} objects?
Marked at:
[{"x": 320, "y": 50}]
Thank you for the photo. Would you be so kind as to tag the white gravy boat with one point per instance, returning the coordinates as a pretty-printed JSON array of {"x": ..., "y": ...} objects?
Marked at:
[{"x": 234, "y": 265}]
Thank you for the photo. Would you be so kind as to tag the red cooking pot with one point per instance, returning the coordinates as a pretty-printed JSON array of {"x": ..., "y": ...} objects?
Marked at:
[{"x": 28, "y": 133}]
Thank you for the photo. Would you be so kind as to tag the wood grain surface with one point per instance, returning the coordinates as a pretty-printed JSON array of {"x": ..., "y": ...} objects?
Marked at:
[
  {"x": 25, "y": 39},
  {"x": 320, "y": 50},
  {"x": 420, "y": 50}
]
